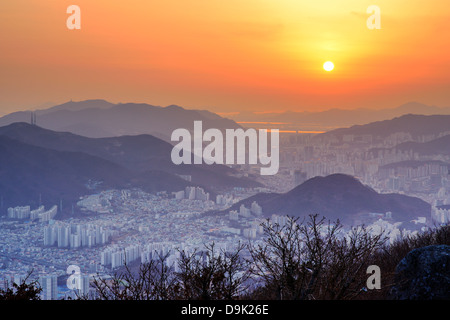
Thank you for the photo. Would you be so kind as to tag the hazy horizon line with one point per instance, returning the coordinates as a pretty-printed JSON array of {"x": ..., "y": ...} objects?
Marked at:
[{"x": 49, "y": 104}]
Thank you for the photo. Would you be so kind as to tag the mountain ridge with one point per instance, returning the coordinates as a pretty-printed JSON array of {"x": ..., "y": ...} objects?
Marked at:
[
  {"x": 416, "y": 125},
  {"x": 138, "y": 154},
  {"x": 100, "y": 119},
  {"x": 333, "y": 118},
  {"x": 337, "y": 196},
  {"x": 30, "y": 174}
]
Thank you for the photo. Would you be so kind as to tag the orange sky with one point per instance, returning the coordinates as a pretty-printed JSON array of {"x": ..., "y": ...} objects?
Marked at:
[{"x": 225, "y": 56}]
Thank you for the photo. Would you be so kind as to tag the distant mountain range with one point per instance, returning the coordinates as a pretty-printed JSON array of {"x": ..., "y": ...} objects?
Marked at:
[
  {"x": 76, "y": 143},
  {"x": 33, "y": 175},
  {"x": 334, "y": 118},
  {"x": 40, "y": 163},
  {"x": 338, "y": 196},
  {"x": 439, "y": 146},
  {"x": 413, "y": 164},
  {"x": 415, "y": 125},
  {"x": 99, "y": 119}
]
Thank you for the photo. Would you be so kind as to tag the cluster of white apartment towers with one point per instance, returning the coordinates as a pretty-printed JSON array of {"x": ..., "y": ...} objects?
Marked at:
[{"x": 75, "y": 235}]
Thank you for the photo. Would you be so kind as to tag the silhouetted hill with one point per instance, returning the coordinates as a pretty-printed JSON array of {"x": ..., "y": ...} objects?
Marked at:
[
  {"x": 336, "y": 118},
  {"x": 416, "y": 125},
  {"x": 99, "y": 118},
  {"x": 413, "y": 164},
  {"x": 30, "y": 174},
  {"x": 138, "y": 154},
  {"x": 434, "y": 147},
  {"x": 338, "y": 196},
  {"x": 78, "y": 105}
]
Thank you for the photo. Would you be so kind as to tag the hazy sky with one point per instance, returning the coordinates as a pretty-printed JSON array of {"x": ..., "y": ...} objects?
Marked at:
[{"x": 226, "y": 56}]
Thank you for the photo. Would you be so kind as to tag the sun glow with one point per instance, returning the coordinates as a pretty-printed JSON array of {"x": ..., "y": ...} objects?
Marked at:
[
  {"x": 328, "y": 66},
  {"x": 233, "y": 56}
]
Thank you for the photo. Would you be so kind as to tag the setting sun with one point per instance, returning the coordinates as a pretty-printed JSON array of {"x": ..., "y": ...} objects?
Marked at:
[
  {"x": 328, "y": 66},
  {"x": 231, "y": 56}
]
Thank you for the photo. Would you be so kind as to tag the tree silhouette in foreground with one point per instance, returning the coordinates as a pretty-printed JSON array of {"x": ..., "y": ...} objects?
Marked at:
[
  {"x": 308, "y": 259},
  {"x": 299, "y": 260},
  {"x": 312, "y": 260},
  {"x": 22, "y": 291},
  {"x": 154, "y": 281},
  {"x": 212, "y": 274},
  {"x": 203, "y": 275}
]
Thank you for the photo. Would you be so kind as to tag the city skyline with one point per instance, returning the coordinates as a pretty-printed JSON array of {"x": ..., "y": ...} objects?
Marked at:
[{"x": 107, "y": 227}]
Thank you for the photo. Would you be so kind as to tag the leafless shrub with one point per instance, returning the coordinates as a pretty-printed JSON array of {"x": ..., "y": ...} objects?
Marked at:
[
  {"x": 312, "y": 260},
  {"x": 212, "y": 274},
  {"x": 155, "y": 281}
]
